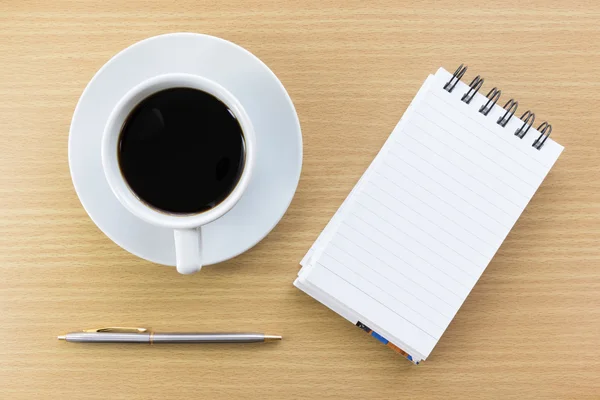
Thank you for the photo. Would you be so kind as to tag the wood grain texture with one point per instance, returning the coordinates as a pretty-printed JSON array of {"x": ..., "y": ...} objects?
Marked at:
[{"x": 529, "y": 330}]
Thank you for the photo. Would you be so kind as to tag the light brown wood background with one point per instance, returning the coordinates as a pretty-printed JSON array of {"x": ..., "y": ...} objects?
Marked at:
[{"x": 530, "y": 328}]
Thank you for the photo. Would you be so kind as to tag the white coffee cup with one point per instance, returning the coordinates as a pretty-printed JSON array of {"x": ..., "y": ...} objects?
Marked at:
[{"x": 187, "y": 228}]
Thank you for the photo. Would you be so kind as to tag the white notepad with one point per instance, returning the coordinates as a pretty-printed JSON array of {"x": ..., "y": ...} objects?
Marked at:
[{"x": 408, "y": 244}]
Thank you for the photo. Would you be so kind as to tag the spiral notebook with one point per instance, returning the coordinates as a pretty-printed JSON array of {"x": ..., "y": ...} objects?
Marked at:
[{"x": 408, "y": 244}]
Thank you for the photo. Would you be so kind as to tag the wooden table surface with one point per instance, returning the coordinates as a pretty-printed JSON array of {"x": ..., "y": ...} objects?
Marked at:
[{"x": 531, "y": 327}]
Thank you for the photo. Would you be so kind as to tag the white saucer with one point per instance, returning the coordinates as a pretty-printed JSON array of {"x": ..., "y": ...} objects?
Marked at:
[{"x": 278, "y": 144}]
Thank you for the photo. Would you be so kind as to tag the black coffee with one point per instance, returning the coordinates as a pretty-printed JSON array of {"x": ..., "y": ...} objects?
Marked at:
[{"x": 181, "y": 150}]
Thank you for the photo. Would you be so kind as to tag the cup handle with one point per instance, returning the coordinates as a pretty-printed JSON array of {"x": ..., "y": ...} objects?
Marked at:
[{"x": 188, "y": 250}]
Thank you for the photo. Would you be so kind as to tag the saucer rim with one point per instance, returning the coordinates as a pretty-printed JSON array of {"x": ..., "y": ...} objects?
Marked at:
[{"x": 296, "y": 122}]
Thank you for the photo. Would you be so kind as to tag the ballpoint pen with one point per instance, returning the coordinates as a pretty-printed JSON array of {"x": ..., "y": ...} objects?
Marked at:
[{"x": 144, "y": 335}]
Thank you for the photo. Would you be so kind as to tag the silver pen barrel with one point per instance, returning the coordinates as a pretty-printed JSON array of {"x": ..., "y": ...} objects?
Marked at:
[
  {"x": 166, "y": 337},
  {"x": 106, "y": 337},
  {"x": 207, "y": 337}
]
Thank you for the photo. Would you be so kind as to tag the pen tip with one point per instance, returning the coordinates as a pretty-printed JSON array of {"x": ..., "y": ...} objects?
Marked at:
[
  {"x": 272, "y": 338},
  {"x": 62, "y": 337}
]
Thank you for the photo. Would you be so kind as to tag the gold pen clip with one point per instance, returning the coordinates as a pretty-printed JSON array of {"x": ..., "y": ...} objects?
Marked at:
[{"x": 122, "y": 329}]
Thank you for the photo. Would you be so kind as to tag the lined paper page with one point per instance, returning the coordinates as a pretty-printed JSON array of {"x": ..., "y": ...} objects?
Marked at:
[
  {"x": 420, "y": 229},
  {"x": 338, "y": 216}
]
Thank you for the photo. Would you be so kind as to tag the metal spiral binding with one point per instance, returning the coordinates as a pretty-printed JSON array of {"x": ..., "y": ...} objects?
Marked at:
[
  {"x": 543, "y": 128},
  {"x": 512, "y": 108},
  {"x": 473, "y": 89},
  {"x": 458, "y": 74},
  {"x": 493, "y": 97},
  {"x": 526, "y": 117}
]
